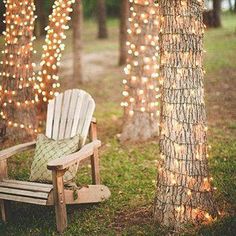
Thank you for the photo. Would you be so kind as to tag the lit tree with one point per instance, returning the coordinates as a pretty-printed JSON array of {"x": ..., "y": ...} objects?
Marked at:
[
  {"x": 141, "y": 91},
  {"x": 52, "y": 51},
  {"x": 77, "y": 22},
  {"x": 18, "y": 97},
  {"x": 184, "y": 193}
]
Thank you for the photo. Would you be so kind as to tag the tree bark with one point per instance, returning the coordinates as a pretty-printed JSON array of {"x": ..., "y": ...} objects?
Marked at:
[
  {"x": 48, "y": 78},
  {"x": 18, "y": 97},
  {"x": 77, "y": 22},
  {"x": 102, "y": 19},
  {"x": 216, "y": 13},
  {"x": 184, "y": 193},
  {"x": 141, "y": 92},
  {"x": 42, "y": 19},
  {"x": 124, "y": 14}
]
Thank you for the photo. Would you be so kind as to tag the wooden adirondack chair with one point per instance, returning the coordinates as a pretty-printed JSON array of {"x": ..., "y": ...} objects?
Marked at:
[{"x": 68, "y": 114}]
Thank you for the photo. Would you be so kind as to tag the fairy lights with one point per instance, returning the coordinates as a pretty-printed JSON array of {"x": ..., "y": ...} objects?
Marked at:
[
  {"x": 141, "y": 87},
  {"x": 18, "y": 95},
  {"x": 184, "y": 192},
  {"x": 48, "y": 79}
]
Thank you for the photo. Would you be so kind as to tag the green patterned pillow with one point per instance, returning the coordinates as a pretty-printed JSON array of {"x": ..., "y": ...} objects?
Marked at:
[{"x": 49, "y": 149}]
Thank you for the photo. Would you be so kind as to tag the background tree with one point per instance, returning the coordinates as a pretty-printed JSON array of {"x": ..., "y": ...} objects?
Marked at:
[
  {"x": 141, "y": 90},
  {"x": 217, "y": 13},
  {"x": 18, "y": 96},
  {"x": 77, "y": 22},
  {"x": 102, "y": 19},
  {"x": 124, "y": 14},
  {"x": 183, "y": 194},
  {"x": 42, "y": 20}
]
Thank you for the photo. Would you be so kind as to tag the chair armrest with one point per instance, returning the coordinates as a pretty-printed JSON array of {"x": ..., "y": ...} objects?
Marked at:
[
  {"x": 4, "y": 154},
  {"x": 67, "y": 161}
]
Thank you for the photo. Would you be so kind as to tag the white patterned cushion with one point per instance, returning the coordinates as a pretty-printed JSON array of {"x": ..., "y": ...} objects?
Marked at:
[{"x": 49, "y": 149}]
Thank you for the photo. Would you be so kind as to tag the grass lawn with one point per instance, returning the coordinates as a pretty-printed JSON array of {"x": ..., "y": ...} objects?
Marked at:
[{"x": 130, "y": 171}]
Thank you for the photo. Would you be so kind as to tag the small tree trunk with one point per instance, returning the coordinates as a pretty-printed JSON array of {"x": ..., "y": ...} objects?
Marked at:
[
  {"x": 42, "y": 20},
  {"x": 102, "y": 19},
  {"x": 235, "y": 6},
  {"x": 216, "y": 13},
  {"x": 124, "y": 14},
  {"x": 77, "y": 22},
  {"x": 183, "y": 194},
  {"x": 141, "y": 86},
  {"x": 18, "y": 98}
]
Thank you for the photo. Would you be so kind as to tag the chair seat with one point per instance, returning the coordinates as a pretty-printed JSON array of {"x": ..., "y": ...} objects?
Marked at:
[
  {"x": 22, "y": 191},
  {"x": 42, "y": 194}
]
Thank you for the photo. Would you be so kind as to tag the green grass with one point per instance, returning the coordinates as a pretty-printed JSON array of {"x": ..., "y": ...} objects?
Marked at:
[{"x": 130, "y": 171}]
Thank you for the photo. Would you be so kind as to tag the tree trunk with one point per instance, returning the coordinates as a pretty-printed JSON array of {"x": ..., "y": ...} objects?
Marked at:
[
  {"x": 235, "y": 6},
  {"x": 216, "y": 13},
  {"x": 141, "y": 90},
  {"x": 48, "y": 78},
  {"x": 230, "y": 6},
  {"x": 183, "y": 194},
  {"x": 102, "y": 19},
  {"x": 77, "y": 22},
  {"x": 124, "y": 14},
  {"x": 42, "y": 19},
  {"x": 18, "y": 80}
]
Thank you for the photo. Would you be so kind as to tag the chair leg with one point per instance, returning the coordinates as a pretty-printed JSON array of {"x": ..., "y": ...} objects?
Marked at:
[
  {"x": 3, "y": 211},
  {"x": 59, "y": 200},
  {"x": 95, "y": 167}
]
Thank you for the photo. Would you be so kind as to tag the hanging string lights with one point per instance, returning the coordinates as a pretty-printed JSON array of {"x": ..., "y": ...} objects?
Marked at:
[
  {"x": 18, "y": 83},
  {"x": 141, "y": 86},
  {"x": 48, "y": 79},
  {"x": 184, "y": 192}
]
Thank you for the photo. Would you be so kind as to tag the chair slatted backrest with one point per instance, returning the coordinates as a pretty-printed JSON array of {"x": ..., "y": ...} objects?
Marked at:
[{"x": 69, "y": 114}]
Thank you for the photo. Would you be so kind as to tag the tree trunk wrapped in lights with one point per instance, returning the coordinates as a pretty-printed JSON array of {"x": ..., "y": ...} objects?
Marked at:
[
  {"x": 48, "y": 76},
  {"x": 141, "y": 92},
  {"x": 18, "y": 97},
  {"x": 184, "y": 193}
]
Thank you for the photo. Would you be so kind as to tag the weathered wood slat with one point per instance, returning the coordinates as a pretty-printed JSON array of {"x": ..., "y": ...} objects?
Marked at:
[
  {"x": 25, "y": 187},
  {"x": 71, "y": 113},
  {"x": 78, "y": 110},
  {"x": 57, "y": 116},
  {"x": 64, "y": 113},
  {"x": 50, "y": 115},
  {"x": 20, "y": 192},
  {"x": 36, "y": 184},
  {"x": 23, "y": 199}
]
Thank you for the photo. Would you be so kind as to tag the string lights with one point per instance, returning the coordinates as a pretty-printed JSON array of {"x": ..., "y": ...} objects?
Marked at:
[
  {"x": 48, "y": 79},
  {"x": 141, "y": 86},
  {"x": 184, "y": 192},
  {"x": 18, "y": 83}
]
